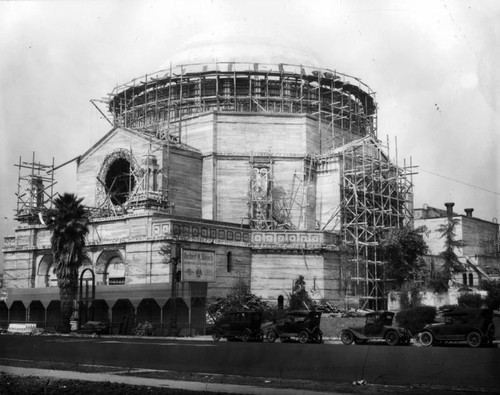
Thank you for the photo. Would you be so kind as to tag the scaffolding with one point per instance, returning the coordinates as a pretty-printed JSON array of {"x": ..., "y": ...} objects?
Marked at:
[
  {"x": 126, "y": 183},
  {"x": 273, "y": 207},
  {"x": 158, "y": 103},
  {"x": 35, "y": 189},
  {"x": 260, "y": 198},
  {"x": 376, "y": 195}
]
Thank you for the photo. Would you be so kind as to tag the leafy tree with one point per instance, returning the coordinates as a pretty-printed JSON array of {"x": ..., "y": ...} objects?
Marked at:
[
  {"x": 451, "y": 263},
  {"x": 470, "y": 301},
  {"x": 68, "y": 222},
  {"x": 416, "y": 318},
  {"x": 493, "y": 289},
  {"x": 299, "y": 298},
  {"x": 238, "y": 298},
  {"x": 403, "y": 250}
]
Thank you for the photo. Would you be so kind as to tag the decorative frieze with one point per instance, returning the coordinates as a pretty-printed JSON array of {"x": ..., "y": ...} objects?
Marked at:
[{"x": 293, "y": 240}]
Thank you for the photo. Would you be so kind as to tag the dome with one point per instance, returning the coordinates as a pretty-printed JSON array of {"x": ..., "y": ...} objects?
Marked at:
[{"x": 238, "y": 42}]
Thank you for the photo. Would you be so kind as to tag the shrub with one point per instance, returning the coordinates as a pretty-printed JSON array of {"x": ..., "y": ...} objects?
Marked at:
[
  {"x": 493, "y": 298},
  {"x": 471, "y": 301},
  {"x": 239, "y": 298},
  {"x": 411, "y": 296},
  {"x": 416, "y": 318},
  {"x": 438, "y": 285}
]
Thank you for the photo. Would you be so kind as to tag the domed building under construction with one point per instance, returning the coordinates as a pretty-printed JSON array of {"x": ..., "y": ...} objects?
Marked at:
[{"x": 252, "y": 163}]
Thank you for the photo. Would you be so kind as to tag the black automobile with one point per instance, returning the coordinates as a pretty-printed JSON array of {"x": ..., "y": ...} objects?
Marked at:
[
  {"x": 242, "y": 325},
  {"x": 474, "y": 326},
  {"x": 94, "y": 328},
  {"x": 378, "y": 325},
  {"x": 302, "y": 325}
]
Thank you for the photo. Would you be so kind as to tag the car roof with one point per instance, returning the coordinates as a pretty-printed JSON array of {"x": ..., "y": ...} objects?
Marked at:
[
  {"x": 464, "y": 311},
  {"x": 380, "y": 312}
]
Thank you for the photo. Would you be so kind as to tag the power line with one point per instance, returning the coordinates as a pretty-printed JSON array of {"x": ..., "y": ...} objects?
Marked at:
[{"x": 460, "y": 182}]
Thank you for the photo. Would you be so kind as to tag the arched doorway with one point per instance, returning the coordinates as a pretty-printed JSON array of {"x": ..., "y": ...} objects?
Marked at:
[
  {"x": 198, "y": 319},
  {"x": 86, "y": 264},
  {"x": 123, "y": 317},
  {"x": 37, "y": 313},
  {"x": 101, "y": 310},
  {"x": 53, "y": 315},
  {"x": 149, "y": 310},
  {"x": 17, "y": 312},
  {"x": 182, "y": 316}
]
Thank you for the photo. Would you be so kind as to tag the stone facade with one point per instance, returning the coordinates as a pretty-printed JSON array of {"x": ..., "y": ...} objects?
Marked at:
[{"x": 235, "y": 161}]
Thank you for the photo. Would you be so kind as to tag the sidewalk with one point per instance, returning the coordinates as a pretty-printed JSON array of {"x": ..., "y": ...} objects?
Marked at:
[{"x": 159, "y": 383}]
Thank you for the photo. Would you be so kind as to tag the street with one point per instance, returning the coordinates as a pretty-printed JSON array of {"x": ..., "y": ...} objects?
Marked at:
[{"x": 377, "y": 364}]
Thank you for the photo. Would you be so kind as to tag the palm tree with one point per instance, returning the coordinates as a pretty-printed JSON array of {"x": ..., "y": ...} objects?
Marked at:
[{"x": 68, "y": 222}]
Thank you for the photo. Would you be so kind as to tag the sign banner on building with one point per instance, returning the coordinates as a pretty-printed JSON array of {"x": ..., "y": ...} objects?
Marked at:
[{"x": 198, "y": 266}]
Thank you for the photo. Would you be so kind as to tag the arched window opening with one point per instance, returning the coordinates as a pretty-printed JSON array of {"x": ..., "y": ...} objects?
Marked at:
[
  {"x": 281, "y": 300},
  {"x": 471, "y": 279},
  {"x": 464, "y": 278},
  {"x": 118, "y": 181},
  {"x": 229, "y": 262},
  {"x": 115, "y": 272}
]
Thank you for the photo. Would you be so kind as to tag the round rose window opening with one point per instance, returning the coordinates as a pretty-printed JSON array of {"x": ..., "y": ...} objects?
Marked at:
[{"x": 119, "y": 181}]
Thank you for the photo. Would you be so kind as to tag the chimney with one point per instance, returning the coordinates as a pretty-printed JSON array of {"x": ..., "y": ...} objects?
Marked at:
[
  {"x": 468, "y": 212},
  {"x": 449, "y": 209}
]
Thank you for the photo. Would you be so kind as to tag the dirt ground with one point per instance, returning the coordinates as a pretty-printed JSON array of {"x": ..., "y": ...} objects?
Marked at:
[
  {"x": 39, "y": 385},
  {"x": 11, "y": 384}
]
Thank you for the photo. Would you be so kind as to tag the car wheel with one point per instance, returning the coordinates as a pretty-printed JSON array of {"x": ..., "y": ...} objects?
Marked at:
[
  {"x": 216, "y": 335},
  {"x": 426, "y": 339},
  {"x": 246, "y": 337},
  {"x": 303, "y": 337},
  {"x": 317, "y": 337},
  {"x": 392, "y": 338},
  {"x": 271, "y": 336},
  {"x": 346, "y": 337},
  {"x": 474, "y": 339}
]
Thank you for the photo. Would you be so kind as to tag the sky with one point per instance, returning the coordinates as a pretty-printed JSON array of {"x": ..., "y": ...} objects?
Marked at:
[{"x": 433, "y": 66}]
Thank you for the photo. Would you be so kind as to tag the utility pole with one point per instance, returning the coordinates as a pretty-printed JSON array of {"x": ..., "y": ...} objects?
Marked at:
[{"x": 175, "y": 258}]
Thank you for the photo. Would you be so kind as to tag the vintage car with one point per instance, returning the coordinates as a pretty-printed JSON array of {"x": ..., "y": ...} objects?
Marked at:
[
  {"x": 474, "y": 326},
  {"x": 242, "y": 325},
  {"x": 94, "y": 327},
  {"x": 302, "y": 325},
  {"x": 378, "y": 326}
]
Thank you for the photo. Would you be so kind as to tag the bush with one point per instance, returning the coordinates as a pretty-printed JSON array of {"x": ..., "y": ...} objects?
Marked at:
[
  {"x": 239, "y": 298},
  {"x": 471, "y": 301},
  {"x": 493, "y": 298},
  {"x": 438, "y": 285},
  {"x": 415, "y": 319}
]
